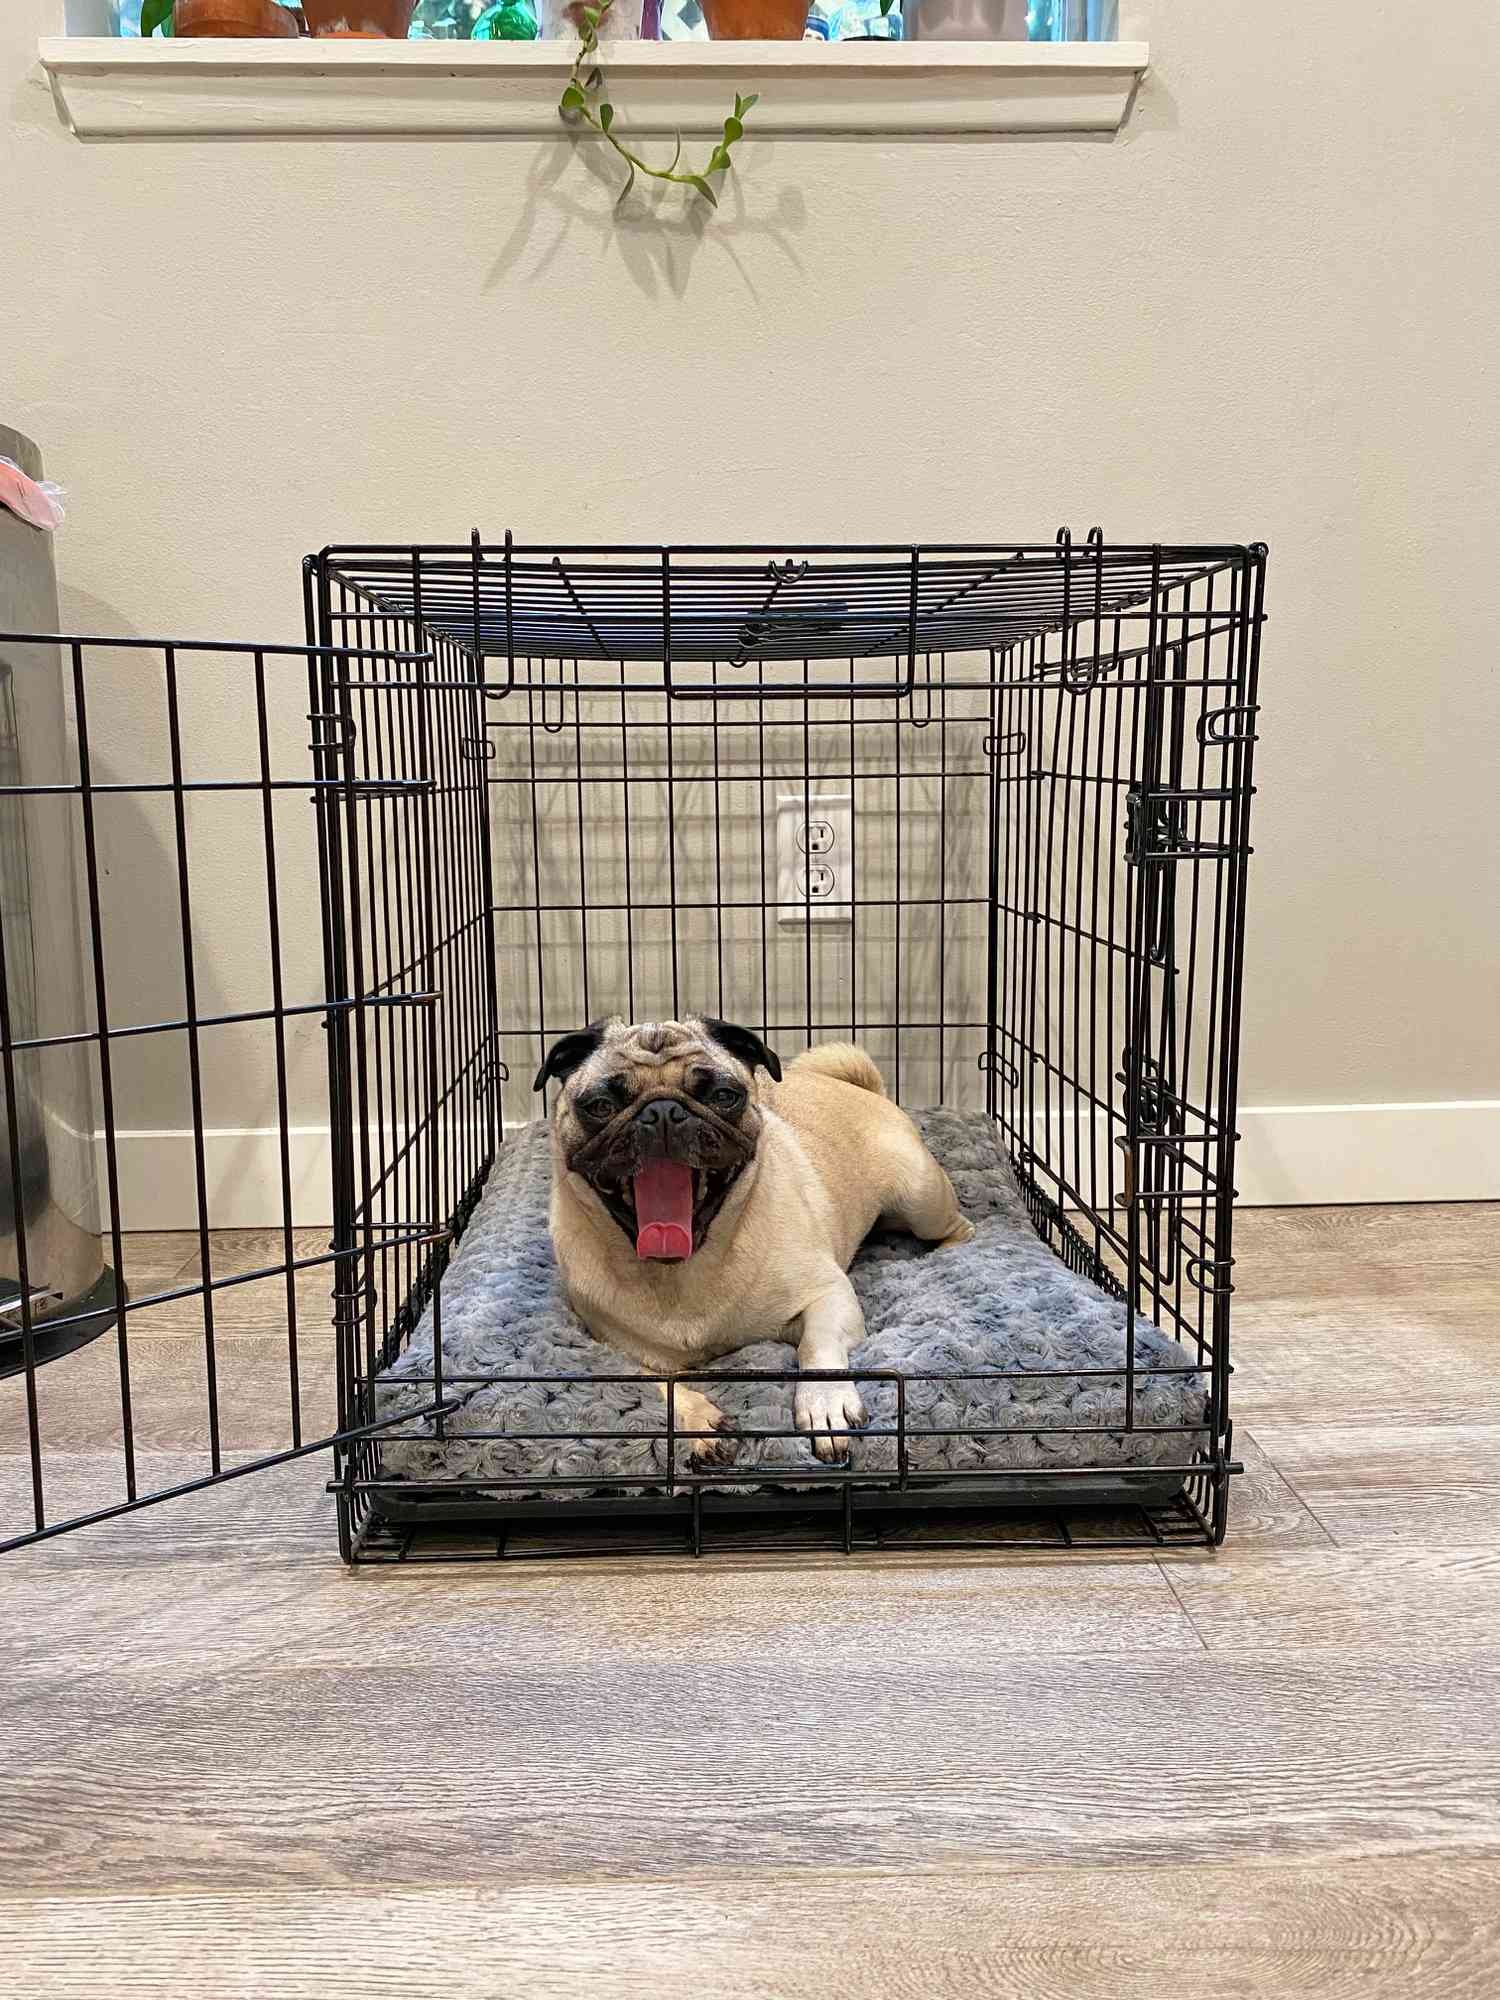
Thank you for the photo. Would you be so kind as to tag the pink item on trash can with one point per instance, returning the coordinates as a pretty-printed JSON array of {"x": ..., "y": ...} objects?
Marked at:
[{"x": 37, "y": 501}]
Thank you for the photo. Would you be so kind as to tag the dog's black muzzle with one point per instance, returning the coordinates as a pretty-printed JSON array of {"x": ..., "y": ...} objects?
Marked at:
[{"x": 667, "y": 1128}]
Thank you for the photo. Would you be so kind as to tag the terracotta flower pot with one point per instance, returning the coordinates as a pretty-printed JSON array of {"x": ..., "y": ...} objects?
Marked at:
[
  {"x": 755, "y": 20},
  {"x": 256, "y": 19},
  {"x": 378, "y": 20}
]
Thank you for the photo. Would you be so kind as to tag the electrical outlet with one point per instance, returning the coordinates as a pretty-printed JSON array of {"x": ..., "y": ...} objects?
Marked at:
[{"x": 814, "y": 857}]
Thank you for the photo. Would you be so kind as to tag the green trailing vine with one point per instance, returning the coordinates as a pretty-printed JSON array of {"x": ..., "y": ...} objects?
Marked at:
[
  {"x": 583, "y": 102},
  {"x": 156, "y": 14}
]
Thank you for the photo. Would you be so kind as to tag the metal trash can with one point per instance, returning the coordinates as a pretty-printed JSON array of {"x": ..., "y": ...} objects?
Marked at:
[{"x": 49, "y": 1177}]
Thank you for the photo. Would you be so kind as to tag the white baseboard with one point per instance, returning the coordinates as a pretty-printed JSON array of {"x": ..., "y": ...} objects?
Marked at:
[
  {"x": 1290, "y": 1155},
  {"x": 242, "y": 1171},
  {"x": 1296, "y": 1154}
]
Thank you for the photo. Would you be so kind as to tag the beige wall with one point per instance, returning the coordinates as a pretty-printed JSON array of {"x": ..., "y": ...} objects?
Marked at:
[{"x": 1268, "y": 309}]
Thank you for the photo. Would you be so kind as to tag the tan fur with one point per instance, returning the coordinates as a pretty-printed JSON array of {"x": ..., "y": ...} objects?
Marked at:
[
  {"x": 833, "y": 1156},
  {"x": 842, "y": 1059}
]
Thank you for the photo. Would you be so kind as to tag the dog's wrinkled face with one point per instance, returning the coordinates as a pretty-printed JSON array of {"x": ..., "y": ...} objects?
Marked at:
[{"x": 659, "y": 1118}]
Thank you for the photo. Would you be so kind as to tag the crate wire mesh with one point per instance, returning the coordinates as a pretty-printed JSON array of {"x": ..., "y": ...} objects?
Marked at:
[
  {"x": 1046, "y": 757},
  {"x": 546, "y": 786}
]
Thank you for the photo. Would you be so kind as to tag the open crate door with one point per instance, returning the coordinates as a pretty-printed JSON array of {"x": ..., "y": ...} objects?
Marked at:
[{"x": 190, "y": 1002}]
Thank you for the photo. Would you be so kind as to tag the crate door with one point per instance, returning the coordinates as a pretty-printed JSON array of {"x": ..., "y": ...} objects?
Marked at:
[{"x": 192, "y": 1016}]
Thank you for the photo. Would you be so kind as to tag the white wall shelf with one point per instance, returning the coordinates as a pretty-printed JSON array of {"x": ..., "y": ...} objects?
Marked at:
[{"x": 109, "y": 89}]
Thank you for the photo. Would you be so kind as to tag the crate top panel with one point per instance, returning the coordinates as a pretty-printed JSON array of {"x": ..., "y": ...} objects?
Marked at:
[{"x": 739, "y": 605}]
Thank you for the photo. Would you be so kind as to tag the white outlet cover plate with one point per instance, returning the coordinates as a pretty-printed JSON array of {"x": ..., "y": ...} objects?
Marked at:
[{"x": 832, "y": 815}]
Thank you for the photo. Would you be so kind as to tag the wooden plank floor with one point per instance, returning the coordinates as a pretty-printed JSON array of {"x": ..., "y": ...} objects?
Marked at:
[{"x": 227, "y": 1768}]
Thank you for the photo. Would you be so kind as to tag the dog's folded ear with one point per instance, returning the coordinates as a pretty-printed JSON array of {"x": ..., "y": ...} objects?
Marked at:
[
  {"x": 746, "y": 1045},
  {"x": 568, "y": 1053}
]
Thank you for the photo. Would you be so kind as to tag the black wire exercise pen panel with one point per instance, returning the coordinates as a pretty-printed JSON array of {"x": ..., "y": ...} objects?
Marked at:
[
  {"x": 156, "y": 786},
  {"x": 528, "y": 786}
]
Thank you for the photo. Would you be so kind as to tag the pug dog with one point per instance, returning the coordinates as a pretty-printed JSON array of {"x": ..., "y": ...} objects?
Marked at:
[{"x": 703, "y": 1198}]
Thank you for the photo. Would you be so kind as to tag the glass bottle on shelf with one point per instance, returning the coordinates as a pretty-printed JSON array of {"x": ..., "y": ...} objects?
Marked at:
[
  {"x": 507, "y": 21},
  {"x": 1074, "y": 20},
  {"x": 681, "y": 21},
  {"x": 445, "y": 20}
]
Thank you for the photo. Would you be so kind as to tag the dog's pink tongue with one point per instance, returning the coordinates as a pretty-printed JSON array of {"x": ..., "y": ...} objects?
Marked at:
[{"x": 664, "y": 1210}]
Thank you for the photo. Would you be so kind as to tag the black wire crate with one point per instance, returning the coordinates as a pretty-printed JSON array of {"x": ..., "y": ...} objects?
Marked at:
[{"x": 500, "y": 791}]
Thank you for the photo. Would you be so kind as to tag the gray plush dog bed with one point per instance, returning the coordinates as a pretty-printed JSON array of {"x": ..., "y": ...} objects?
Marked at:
[{"x": 1000, "y": 1302}]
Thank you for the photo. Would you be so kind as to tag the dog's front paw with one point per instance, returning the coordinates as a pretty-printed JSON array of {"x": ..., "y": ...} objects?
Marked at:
[
  {"x": 693, "y": 1412},
  {"x": 828, "y": 1411}
]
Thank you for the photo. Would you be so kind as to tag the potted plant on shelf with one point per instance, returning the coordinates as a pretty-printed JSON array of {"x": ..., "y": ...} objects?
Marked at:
[
  {"x": 755, "y": 20},
  {"x": 365, "y": 20},
  {"x": 256, "y": 20}
]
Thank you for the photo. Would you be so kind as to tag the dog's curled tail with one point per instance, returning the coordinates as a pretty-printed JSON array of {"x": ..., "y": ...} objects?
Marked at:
[{"x": 844, "y": 1061}]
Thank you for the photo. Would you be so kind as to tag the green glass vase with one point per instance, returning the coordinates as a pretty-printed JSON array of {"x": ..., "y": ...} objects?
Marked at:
[{"x": 508, "y": 21}]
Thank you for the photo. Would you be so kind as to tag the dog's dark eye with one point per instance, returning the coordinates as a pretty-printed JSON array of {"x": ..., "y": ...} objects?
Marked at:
[
  {"x": 728, "y": 1097},
  {"x": 597, "y": 1107}
]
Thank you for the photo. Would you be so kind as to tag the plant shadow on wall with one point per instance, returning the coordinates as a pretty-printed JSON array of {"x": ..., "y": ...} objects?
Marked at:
[
  {"x": 657, "y": 231},
  {"x": 658, "y": 235}
]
